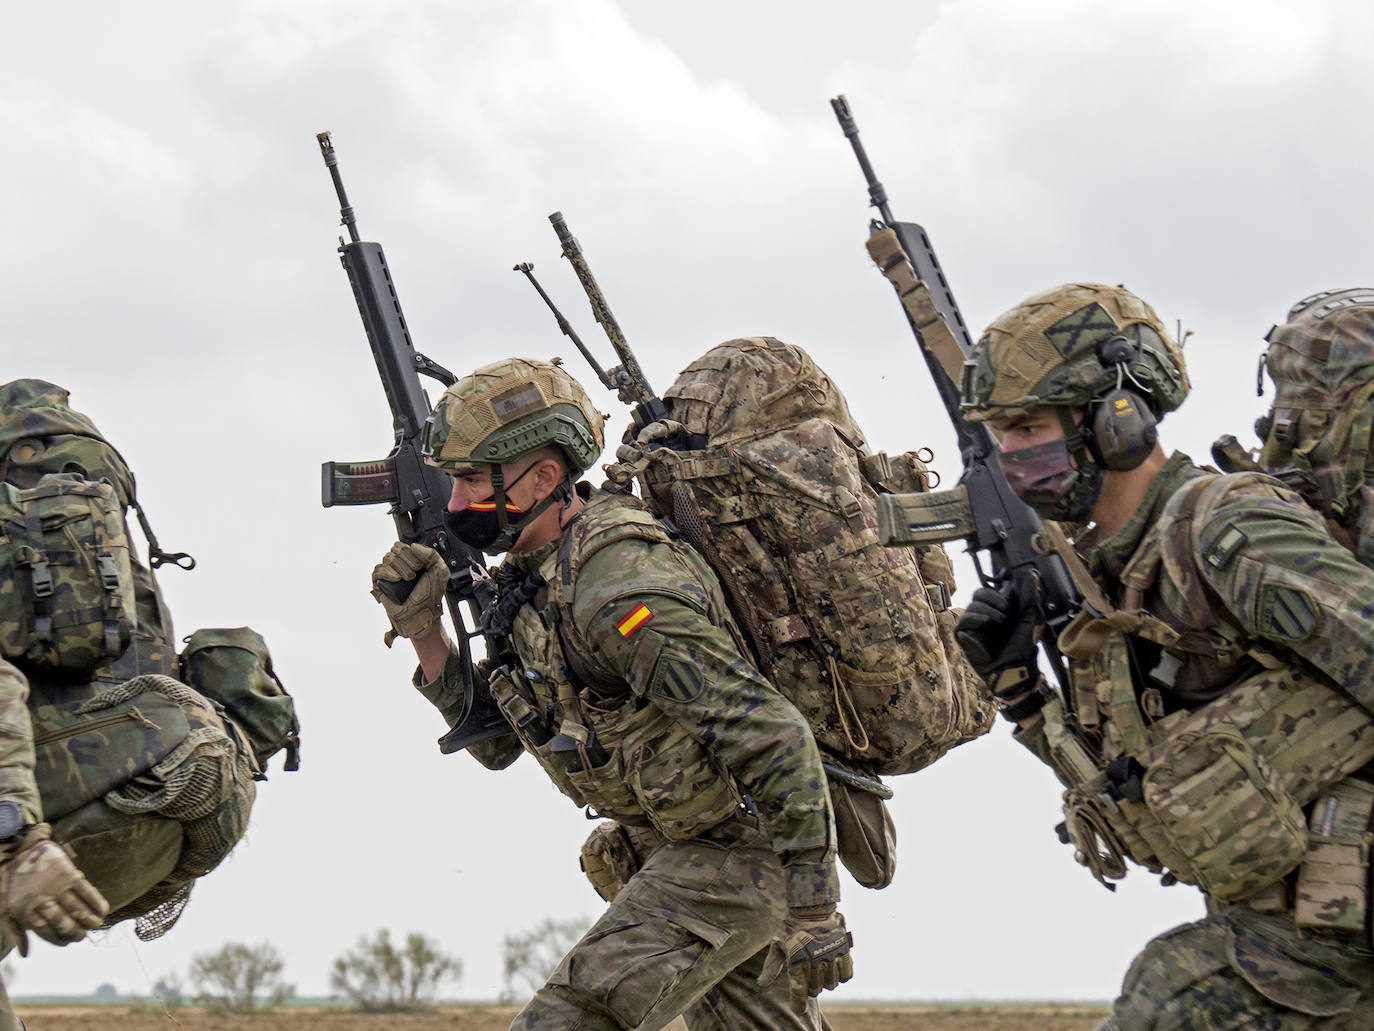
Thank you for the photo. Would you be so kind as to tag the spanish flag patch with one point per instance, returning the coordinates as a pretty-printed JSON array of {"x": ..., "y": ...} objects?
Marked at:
[{"x": 634, "y": 620}]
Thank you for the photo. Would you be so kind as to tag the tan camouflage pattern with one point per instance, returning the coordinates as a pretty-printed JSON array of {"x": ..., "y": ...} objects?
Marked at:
[
  {"x": 17, "y": 782},
  {"x": 508, "y": 409},
  {"x": 41, "y": 890},
  {"x": 1044, "y": 352},
  {"x": 1250, "y": 625},
  {"x": 1321, "y": 362},
  {"x": 69, "y": 531},
  {"x": 782, "y": 504},
  {"x": 687, "y": 934},
  {"x": 1239, "y": 968}
]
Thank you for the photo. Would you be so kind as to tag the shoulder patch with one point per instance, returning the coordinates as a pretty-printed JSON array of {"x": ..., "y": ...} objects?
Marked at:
[
  {"x": 1287, "y": 613},
  {"x": 675, "y": 679},
  {"x": 1220, "y": 552}
]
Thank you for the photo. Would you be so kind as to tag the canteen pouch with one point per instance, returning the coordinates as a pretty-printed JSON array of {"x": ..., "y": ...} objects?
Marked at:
[{"x": 232, "y": 667}]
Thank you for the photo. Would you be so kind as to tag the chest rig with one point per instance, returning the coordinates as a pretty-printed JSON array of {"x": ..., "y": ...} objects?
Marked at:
[
  {"x": 1215, "y": 794},
  {"x": 604, "y": 746}
]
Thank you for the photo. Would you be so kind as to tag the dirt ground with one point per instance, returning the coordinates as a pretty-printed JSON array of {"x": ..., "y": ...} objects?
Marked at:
[{"x": 497, "y": 1018}]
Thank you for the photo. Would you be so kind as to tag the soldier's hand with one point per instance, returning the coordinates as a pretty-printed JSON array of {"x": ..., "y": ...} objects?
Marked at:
[
  {"x": 41, "y": 890},
  {"x": 814, "y": 950},
  {"x": 997, "y": 633},
  {"x": 421, "y": 567}
]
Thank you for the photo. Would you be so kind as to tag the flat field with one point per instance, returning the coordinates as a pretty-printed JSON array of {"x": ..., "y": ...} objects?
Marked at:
[{"x": 1028, "y": 1017}]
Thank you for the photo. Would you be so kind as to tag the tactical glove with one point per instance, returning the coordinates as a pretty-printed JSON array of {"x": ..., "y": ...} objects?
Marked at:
[
  {"x": 420, "y": 608},
  {"x": 997, "y": 633},
  {"x": 41, "y": 890},
  {"x": 814, "y": 949}
]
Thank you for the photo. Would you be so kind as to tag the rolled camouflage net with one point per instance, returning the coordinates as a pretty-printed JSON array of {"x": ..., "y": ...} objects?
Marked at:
[{"x": 205, "y": 784}]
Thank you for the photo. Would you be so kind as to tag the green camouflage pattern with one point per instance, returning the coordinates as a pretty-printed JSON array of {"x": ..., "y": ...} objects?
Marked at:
[
  {"x": 40, "y": 433},
  {"x": 87, "y": 746},
  {"x": 687, "y": 934},
  {"x": 782, "y": 502},
  {"x": 232, "y": 667},
  {"x": 1242, "y": 969},
  {"x": 509, "y": 408},
  {"x": 1321, "y": 361},
  {"x": 66, "y": 580},
  {"x": 1044, "y": 352}
]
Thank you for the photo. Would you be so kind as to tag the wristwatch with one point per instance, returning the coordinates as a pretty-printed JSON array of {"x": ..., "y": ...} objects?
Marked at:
[{"x": 13, "y": 826}]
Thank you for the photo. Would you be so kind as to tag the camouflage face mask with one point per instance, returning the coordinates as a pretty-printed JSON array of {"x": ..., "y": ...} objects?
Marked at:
[{"x": 1044, "y": 477}]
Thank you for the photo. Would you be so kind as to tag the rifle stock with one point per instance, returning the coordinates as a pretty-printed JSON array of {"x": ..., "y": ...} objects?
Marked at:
[
  {"x": 982, "y": 510},
  {"x": 416, "y": 492}
]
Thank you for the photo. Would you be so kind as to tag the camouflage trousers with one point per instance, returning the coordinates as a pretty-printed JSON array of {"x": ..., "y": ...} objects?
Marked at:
[
  {"x": 686, "y": 935},
  {"x": 1242, "y": 969}
]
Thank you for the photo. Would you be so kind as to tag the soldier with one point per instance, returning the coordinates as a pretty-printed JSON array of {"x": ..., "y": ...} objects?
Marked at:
[
  {"x": 1217, "y": 726},
  {"x": 626, "y": 679}
]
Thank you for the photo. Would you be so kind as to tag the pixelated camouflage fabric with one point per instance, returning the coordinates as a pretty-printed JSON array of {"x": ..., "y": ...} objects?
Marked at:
[{"x": 780, "y": 504}]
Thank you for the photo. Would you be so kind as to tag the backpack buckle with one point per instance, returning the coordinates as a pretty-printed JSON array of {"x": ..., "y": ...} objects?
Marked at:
[
  {"x": 109, "y": 574},
  {"x": 42, "y": 578}
]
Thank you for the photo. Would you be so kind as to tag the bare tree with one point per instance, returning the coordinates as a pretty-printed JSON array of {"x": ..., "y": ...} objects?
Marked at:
[
  {"x": 379, "y": 977},
  {"x": 240, "y": 977},
  {"x": 528, "y": 958}
]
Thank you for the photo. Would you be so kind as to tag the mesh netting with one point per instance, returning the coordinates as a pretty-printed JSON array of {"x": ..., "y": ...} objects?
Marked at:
[{"x": 205, "y": 783}]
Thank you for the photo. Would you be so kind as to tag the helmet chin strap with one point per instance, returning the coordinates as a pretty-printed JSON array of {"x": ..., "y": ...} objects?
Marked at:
[
  {"x": 511, "y": 530},
  {"x": 1074, "y": 439}
]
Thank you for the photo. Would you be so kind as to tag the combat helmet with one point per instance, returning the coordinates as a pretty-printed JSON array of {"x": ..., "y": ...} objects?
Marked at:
[
  {"x": 498, "y": 415},
  {"x": 1059, "y": 348},
  {"x": 506, "y": 410},
  {"x": 1317, "y": 434}
]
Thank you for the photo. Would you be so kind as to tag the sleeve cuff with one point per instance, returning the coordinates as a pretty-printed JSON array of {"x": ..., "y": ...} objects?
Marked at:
[
  {"x": 812, "y": 884},
  {"x": 444, "y": 692}
]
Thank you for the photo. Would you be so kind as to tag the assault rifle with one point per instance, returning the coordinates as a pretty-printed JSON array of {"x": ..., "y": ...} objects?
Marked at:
[
  {"x": 627, "y": 379},
  {"x": 418, "y": 493},
  {"x": 981, "y": 509}
]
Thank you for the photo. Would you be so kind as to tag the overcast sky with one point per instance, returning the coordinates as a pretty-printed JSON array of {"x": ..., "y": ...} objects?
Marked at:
[{"x": 169, "y": 256}]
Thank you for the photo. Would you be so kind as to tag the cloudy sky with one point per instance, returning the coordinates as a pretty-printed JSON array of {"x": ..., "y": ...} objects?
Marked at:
[{"x": 169, "y": 256}]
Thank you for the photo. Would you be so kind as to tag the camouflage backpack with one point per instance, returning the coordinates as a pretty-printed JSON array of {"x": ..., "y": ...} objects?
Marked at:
[
  {"x": 145, "y": 764},
  {"x": 780, "y": 499},
  {"x": 1316, "y": 436}
]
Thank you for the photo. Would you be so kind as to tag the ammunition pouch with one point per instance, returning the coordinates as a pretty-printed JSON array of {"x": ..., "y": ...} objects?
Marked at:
[
  {"x": 613, "y": 853},
  {"x": 1217, "y": 795}
]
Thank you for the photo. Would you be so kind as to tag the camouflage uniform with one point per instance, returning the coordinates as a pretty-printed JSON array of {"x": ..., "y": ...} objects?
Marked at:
[
  {"x": 677, "y": 729},
  {"x": 1217, "y": 721}
]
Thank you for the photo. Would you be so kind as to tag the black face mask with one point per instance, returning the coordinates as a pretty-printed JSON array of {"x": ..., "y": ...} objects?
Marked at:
[{"x": 492, "y": 525}]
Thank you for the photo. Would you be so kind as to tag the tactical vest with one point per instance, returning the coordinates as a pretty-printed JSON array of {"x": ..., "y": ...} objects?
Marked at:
[
  {"x": 604, "y": 747},
  {"x": 1214, "y": 795}
]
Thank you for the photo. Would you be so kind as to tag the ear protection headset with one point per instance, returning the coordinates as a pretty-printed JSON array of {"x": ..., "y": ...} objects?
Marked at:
[{"x": 1121, "y": 429}]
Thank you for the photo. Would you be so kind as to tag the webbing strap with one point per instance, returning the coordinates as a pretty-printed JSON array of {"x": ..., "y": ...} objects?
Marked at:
[{"x": 886, "y": 252}]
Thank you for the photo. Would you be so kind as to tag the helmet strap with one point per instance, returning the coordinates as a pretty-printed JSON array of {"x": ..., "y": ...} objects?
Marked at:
[{"x": 510, "y": 530}]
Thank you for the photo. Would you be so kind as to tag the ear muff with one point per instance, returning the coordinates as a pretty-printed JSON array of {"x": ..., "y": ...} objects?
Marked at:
[{"x": 1122, "y": 428}]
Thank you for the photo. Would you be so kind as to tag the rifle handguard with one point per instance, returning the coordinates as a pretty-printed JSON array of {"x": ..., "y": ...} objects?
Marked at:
[{"x": 931, "y": 517}]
